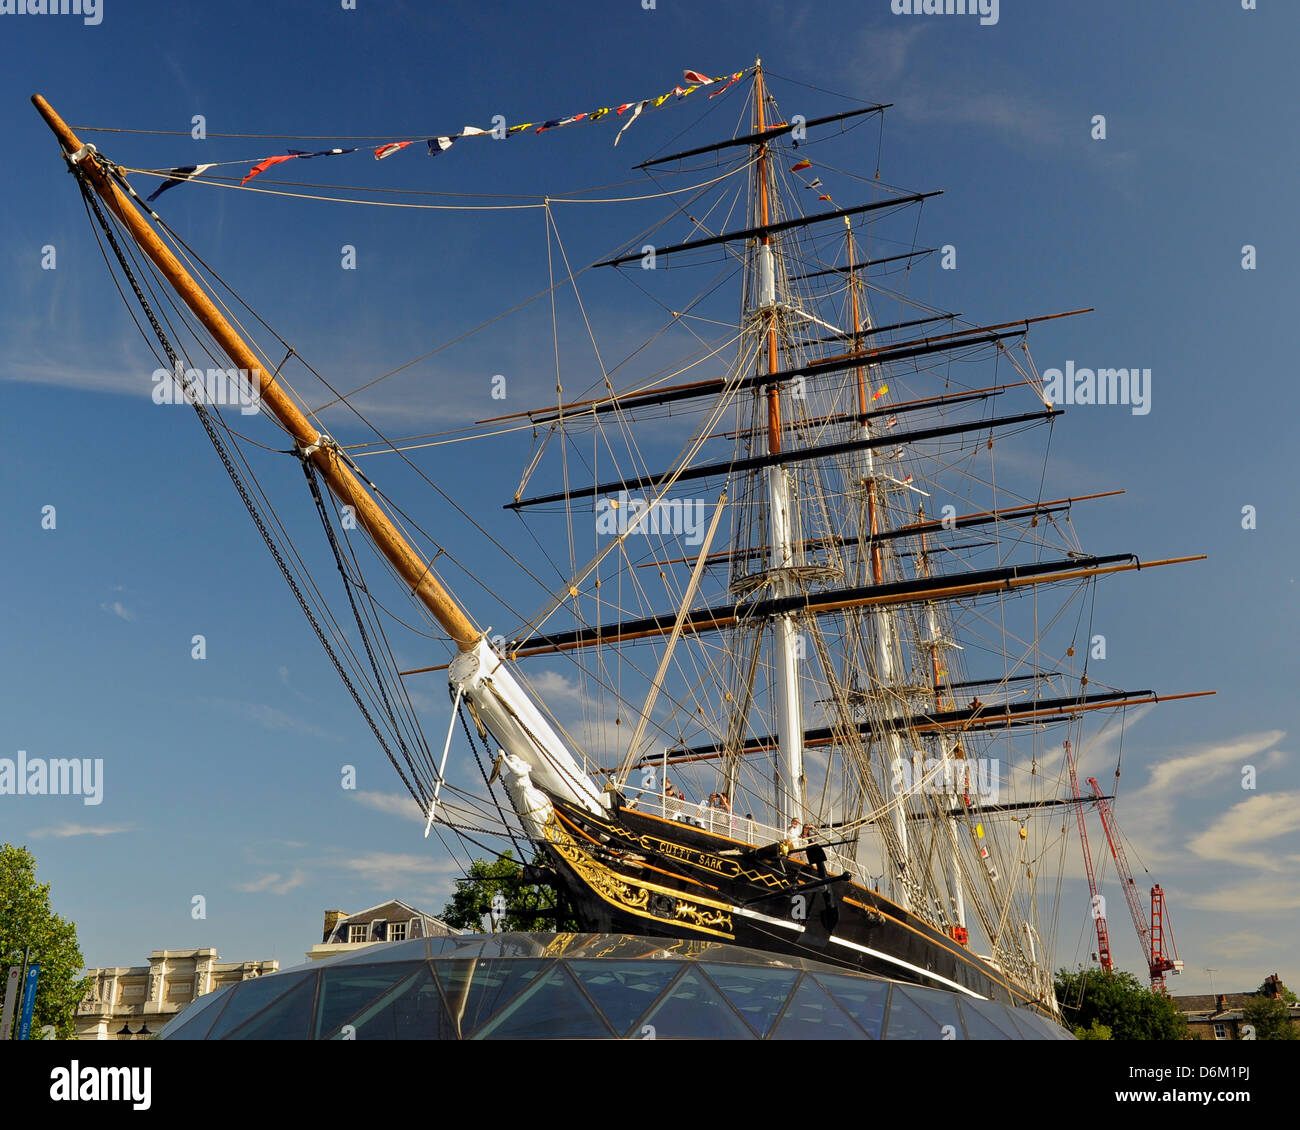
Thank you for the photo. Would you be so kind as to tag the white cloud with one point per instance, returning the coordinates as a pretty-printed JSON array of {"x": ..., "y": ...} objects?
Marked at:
[
  {"x": 117, "y": 608},
  {"x": 271, "y": 718},
  {"x": 393, "y": 804},
  {"x": 273, "y": 884},
  {"x": 67, "y": 829},
  {"x": 385, "y": 869},
  {"x": 1242, "y": 834}
]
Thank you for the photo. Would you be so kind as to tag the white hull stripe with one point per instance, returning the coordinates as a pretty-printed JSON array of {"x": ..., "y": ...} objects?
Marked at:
[{"x": 862, "y": 949}]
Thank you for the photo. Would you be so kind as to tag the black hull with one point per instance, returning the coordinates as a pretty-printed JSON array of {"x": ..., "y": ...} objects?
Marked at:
[{"x": 636, "y": 873}]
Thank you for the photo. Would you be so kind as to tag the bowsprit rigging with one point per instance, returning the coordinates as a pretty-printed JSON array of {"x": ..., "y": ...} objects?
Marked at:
[{"x": 829, "y": 737}]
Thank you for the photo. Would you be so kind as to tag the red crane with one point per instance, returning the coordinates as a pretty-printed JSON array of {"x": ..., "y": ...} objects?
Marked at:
[
  {"x": 1152, "y": 937},
  {"x": 1103, "y": 935}
]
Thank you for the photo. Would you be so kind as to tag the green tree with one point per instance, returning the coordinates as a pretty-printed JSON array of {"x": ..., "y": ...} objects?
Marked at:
[
  {"x": 1270, "y": 1018},
  {"x": 1098, "y": 1031},
  {"x": 470, "y": 906},
  {"x": 27, "y": 920},
  {"x": 1117, "y": 1001}
]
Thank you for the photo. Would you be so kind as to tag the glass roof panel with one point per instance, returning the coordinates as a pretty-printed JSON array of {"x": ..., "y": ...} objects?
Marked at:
[
  {"x": 812, "y": 1015},
  {"x": 907, "y": 1021},
  {"x": 863, "y": 998},
  {"x": 981, "y": 1021},
  {"x": 940, "y": 1007},
  {"x": 694, "y": 1009},
  {"x": 289, "y": 1018},
  {"x": 623, "y": 990},
  {"x": 193, "y": 1022},
  {"x": 252, "y": 996},
  {"x": 475, "y": 990},
  {"x": 410, "y": 1009},
  {"x": 1019, "y": 1017},
  {"x": 345, "y": 990},
  {"x": 759, "y": 992},
  {"x": 552, "y": 1007}
]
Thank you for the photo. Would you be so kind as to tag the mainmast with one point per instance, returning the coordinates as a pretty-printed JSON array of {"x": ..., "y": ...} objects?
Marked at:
[{"x": 789, "y": 780}]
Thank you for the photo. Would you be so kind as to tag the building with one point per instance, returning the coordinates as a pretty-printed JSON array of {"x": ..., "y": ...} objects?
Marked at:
[
  {"x": 392, "y": 921},
  {"x": 130, "y": 1001},
  {"x": 1219, "y": 1016}
]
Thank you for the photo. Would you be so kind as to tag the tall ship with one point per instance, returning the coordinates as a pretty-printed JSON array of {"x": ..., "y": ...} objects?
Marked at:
[{"x": 816, "y": 643}]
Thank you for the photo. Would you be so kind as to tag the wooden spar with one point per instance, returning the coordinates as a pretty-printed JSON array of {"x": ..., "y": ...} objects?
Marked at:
[
  {"x": 411, "y": 566},
  {"x": 1024, "y": 510},
  {"x": 716, "y": 621},
  {"x": 650, "y": 396},
  {"x": 991, "y": 722}
]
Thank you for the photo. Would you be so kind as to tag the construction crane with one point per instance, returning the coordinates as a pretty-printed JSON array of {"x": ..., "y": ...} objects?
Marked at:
[
  {"x": 1098, "y": 904},
  {"x": 1152, "y": 937}
]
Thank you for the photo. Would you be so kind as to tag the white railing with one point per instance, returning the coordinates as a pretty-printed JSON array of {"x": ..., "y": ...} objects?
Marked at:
[{"x": 742, "y": 828}]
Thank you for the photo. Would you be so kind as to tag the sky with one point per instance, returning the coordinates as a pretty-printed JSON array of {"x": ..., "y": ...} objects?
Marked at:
[{"x": 221, "y": 778}]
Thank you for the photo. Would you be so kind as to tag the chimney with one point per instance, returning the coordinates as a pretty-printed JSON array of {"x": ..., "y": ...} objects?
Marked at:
[
  {"x": 1220, "y": 1002},
  {"x": 332, "y": 919},
  {"x": 1271, "y": 983}
]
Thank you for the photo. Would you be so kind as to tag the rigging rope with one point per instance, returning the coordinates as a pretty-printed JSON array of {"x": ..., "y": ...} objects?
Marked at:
[{"x": 215, "y": 439}]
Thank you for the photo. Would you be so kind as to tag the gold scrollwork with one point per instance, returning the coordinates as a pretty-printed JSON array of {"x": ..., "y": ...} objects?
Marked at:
[{"x": 630, "y": 896}]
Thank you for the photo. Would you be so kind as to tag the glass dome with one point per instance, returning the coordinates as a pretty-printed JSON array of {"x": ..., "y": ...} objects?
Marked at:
[{"x": 588, "y": 986}]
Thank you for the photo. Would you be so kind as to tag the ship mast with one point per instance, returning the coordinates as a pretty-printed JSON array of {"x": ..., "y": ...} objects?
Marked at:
[{"x": 789, "y": 781}]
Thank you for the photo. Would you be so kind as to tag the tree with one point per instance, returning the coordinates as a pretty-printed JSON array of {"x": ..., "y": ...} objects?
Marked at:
[
  {"x": 1091, "y": 998},
  {"x": 471, "y": 904},
  {"x": 1270, "y": 1018},
  {"x": 27, "y": 920},
  {"x": 1098, "y": 1031}
]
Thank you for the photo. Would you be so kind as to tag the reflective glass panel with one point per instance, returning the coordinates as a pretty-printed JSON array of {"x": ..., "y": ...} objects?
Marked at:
[
  {"x": 939, "y": 1006},
  {"x": 694, "y": 1009},
  {"x": 195, "y": 1020},
  {"x": 289, "y": 1018},
  {"x": 812, "y": 1015},
  {"x": 862, "y": 998},
  {"x": 624, "y": 990},
  {"x": 550, "y": 1008},
  {"x": 347, "y": 989},
  {"x": 757, "y": 992},
  {"x": 252, "y": 996}
]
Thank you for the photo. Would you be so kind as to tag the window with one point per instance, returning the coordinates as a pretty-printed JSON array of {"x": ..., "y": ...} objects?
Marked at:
[
  {"x": 359, "y": 932},
  {"x": 1220, "y": 1031},
  {"x": 397, "y": 931}
]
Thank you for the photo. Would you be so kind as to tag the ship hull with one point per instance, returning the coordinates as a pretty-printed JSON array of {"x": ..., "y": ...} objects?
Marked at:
[{"x": 633, "y": 872}]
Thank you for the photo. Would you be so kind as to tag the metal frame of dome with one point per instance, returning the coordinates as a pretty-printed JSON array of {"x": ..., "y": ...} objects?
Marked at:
[{"x": 588, "y": 986}]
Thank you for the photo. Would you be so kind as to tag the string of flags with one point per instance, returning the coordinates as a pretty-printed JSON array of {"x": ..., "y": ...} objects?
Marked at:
[
  {"x": 694, "y": 80},
  {"x": 815, "y": 183}
]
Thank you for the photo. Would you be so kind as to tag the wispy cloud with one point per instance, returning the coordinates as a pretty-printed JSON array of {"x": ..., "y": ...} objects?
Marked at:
[
  {"x": 1244, "y": 833},
  {"x": 1258, "y": 897},
  {"x": 270, "y": 718},
  {"x": 118, "y": 609},
  {"x": 66, "y": 829},
  {"x": 387, "y": 870},
  {"x": 393, "y": 804},
  {"x": 273, "y": 884}
]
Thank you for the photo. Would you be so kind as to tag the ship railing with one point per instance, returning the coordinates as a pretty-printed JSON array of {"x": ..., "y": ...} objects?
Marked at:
[{"x": 743, "y": 828}]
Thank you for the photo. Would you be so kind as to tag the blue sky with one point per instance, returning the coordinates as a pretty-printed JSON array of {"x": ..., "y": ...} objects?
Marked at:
[{"x": 222, "y": 777}]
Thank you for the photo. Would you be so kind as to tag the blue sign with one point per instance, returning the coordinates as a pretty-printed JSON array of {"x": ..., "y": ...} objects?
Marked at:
[{"x": 29, "y": 1001}]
